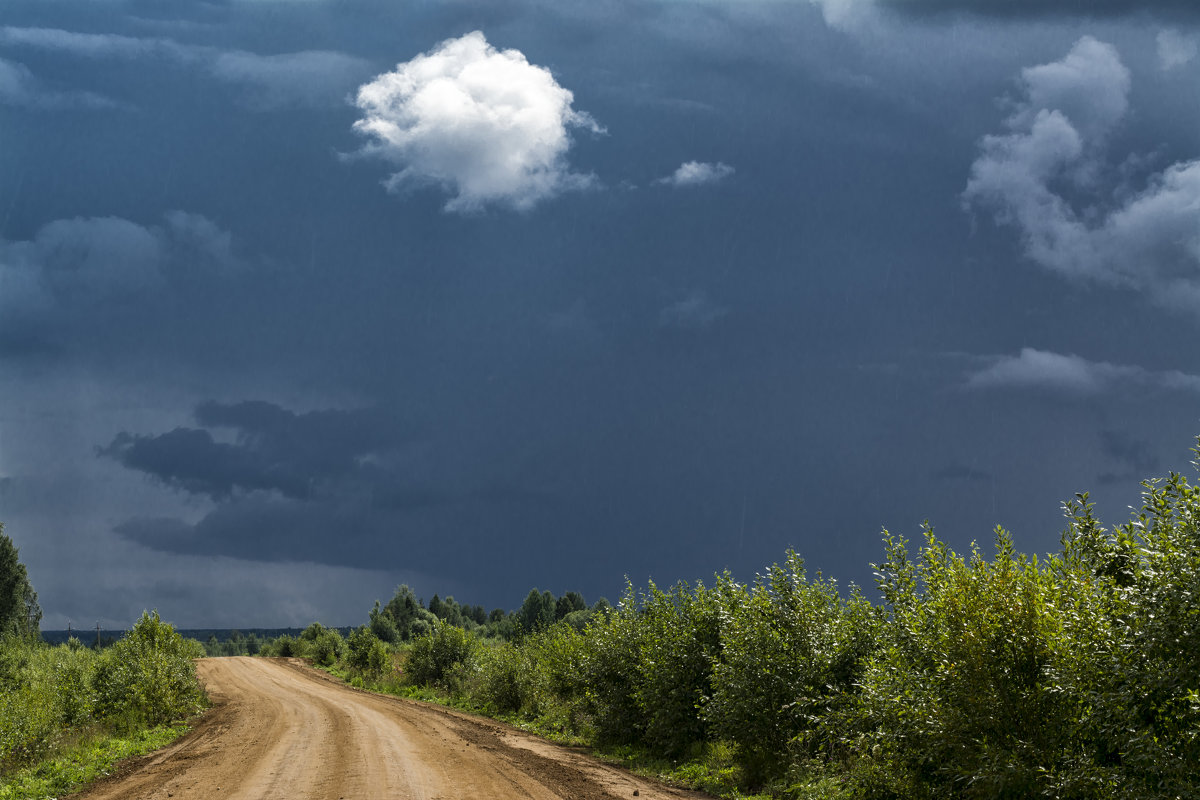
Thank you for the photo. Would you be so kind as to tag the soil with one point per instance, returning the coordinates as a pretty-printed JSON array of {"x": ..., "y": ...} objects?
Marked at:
[{"x": 279, "y": 729}]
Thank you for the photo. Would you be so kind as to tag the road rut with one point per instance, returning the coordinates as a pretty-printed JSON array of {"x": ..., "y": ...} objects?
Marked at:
[{"x": 280, "y": 730}]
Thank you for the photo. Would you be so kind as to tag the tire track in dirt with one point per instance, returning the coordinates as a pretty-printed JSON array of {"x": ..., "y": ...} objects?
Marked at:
[{"x": 280, "y": 730}]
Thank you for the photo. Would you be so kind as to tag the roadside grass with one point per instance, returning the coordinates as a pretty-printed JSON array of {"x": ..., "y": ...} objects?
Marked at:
[{"x": 87, "y": 760}]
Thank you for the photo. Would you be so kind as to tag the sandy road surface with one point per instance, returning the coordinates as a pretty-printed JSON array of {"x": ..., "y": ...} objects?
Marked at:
[{"x": 280, "y": 730}]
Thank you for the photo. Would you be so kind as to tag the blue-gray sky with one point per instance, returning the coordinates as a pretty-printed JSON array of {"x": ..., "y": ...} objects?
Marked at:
[{"x": 302, "y": 300}]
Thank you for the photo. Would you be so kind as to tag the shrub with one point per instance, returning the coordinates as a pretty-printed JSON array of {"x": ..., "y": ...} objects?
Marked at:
[
  {"x": 679, "y": 641},
  {"x": 366, "y": 656},
  {"x": 791, "y": 653},
  {"x": 148, "y": 676},
  {"x": 609, "y": 673},
  {"x": 30, "y": 703},
  {"x": 505, "y": 684},
  {"x": 435, "y": 655}
]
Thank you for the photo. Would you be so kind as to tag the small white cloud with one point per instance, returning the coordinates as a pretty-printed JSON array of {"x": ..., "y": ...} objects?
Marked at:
[
  {"x": 1175, "y": 49},
  {"x": 481, "y": 123},
  {"x": 1045, "y": 179},
  {"x": 697, "y": 173},
  {"x": 1040, "y": 369},
  {"x": 308, "y": 78},
  {"x": 693, "y": 312}
]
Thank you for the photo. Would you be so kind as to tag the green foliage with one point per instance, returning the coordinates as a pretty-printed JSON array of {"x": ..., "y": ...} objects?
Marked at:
[
  {"x": 20, "y": 613},
  {"x": 148, "y": 677},
  {"x": 51, "y": 697},
  {"x": 1136, "y": 679},
  {"x": 35, "y": 697},
  {"x": 1075, "y": 676},
  {"x": 383, "y": 626},
  {"x": 537, "y": 611},
  {"x": 440, "y": 656},
  {"x": 505, "y": 686},
  {"x": 365, "y": 655},
  {"x": 609, "y": 673},
  {"x": 323, "y": 645},
  {"x": 791, "y": 652},
  {"x": 81, "y": 763},
  {"x": 957, "y": 701},
  {"x": 679, "y": 642}
]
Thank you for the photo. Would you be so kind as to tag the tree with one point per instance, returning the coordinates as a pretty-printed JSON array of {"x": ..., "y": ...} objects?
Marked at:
[
  {"x": 569, "y": 602},
  {"x": 20, "y": 613},
  {"x": 402, "y": 608},
  {"x": 537, "y": 611}
]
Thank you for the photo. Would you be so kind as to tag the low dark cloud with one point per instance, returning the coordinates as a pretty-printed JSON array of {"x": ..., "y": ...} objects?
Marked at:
[{"x": 275, "y": 450}]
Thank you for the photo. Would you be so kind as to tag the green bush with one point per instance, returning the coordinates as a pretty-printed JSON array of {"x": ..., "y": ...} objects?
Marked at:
[
  {"x": 1137, "y": 679},
  {"x": 609, "y": 673},
  {"x": 505, "y": 684},
  {"x": 148, "y": 677},
  {"x": 435, "y": 656},
  {"x": 791, "y": 652},
  {"x": 679, "y": 641},
  {"x": 365, "y": 655},
  {"x": 323, "y": 645},
  {"x": 958, "y": 701},
  {"x": 31, "y": 709}
]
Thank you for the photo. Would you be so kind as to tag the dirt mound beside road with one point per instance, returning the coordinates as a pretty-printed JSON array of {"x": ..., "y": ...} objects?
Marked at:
[{"x": 279, "y": 730}]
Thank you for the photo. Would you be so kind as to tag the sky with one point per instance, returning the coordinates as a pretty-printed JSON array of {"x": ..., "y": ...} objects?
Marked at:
[{"x": 303, "y": 300}]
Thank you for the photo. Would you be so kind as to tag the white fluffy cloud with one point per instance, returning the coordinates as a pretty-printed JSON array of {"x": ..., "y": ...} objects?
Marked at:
[
  {"x": 1045, "y": 179},
  {"x": 1040, "y": 369},
  {"x": 481, "y": 123},
  {"x": 697, "y": 173}
]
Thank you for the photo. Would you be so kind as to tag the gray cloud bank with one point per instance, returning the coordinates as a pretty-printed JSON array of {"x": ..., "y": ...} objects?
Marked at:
[
  {"x": 305, "y": 78},
  {"x": 1048, "y": 177}
]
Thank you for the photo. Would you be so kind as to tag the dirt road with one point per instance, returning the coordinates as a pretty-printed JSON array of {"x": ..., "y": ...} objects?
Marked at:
[{"x": 279, "y": 730}]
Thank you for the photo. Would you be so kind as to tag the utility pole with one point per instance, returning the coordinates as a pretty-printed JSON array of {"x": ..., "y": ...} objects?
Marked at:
[{"x": 97, "y": 636}]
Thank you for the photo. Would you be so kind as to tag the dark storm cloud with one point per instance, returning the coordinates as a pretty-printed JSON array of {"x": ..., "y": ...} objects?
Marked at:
[
  {"x": 1046, "y": 8},
  {"x": 278, "y": 450}
]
